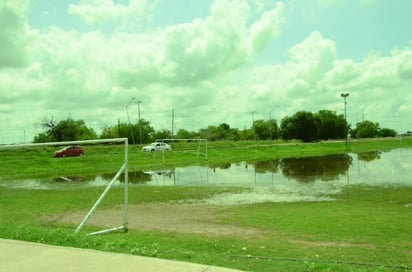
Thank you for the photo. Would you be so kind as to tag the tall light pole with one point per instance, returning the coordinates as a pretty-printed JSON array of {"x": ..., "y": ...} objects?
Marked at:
[
  {"x": 140, "y": 122},
  {"x": 345, "y": 95},
  {"x": 253, "y": 125},
  {"x": 271, "y": 123},
  {"x": 128, "y": 118}
]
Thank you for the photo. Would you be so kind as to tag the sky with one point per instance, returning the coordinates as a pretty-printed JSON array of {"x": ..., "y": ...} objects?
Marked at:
[{"x": 201, "y": 63}]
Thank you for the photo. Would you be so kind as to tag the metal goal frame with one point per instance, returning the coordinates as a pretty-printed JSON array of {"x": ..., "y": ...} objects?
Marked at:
[{"x": 123, "y": 169}]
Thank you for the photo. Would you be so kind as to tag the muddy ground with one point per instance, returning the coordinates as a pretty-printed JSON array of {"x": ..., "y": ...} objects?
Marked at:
[{"x": 167, "y": 217}]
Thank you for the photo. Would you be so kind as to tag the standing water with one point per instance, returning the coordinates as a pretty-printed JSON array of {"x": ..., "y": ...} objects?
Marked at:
[{"x": 290, "y": 179}]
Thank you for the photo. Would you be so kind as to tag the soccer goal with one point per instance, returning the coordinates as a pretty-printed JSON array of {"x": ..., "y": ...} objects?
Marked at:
[
  {"x": 42, "y": 153},
  {"x": 196, "y": 144}
]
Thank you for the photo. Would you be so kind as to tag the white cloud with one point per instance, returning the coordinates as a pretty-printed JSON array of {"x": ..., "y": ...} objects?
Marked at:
[
  {"x": 13, "y": 33},
  {"x": 329, "y": 3},
  {"x": 192, "y": 52},
  {"x": 342, "y": 73},
  {"x": 95, "y": 12},
  {"x": 204, "y": 69},
  {"x": 313, "y": 57},
  {"x": 267, "y": 28}
]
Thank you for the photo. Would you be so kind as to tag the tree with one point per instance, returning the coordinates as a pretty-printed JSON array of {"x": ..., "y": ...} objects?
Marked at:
[
  {"x": 209, "y": 133},
  {"x": 273, "y": 129},
  {"x": 121, "y": 130},
  {"x": 223, "y": 131},
  {"x": 387, "y": 132},
  {"x": 185, "y": 134},
  {"x": 42, "y": 138},
  {"x": 266, "y": 130},
  {"x": 147, "y": 131},
  {"x": 365, "y": 129},
  {"x": 262, "y": 130},
  {"x": 301, "y": 126},
  {"x": 331, "y": 125},
  {"x": 65, "y": 130},
  {"x": 162, "y": 134},
  {"x": 49, "y": 135}
]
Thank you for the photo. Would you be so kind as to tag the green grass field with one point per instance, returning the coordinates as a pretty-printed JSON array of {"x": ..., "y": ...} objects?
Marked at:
[{"x": 365, "y": 229}]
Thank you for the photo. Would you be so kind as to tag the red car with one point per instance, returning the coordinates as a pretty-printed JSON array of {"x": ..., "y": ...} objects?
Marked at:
[{"x": 69, "y": 151}]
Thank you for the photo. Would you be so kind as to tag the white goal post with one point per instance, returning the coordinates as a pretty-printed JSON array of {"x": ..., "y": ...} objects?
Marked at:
[
  {"x": 199, "y": 140},
  {"x": 123, "y": 169}
]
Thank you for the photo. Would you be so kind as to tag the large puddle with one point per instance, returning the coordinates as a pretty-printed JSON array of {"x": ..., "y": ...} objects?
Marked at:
[{"x": 284, "y": 180}]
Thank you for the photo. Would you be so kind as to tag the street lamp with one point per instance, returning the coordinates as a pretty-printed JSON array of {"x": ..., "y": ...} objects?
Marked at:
[
  {"x": 345, "y": 95},
  {"x": 253, "y": 125},
  {"x": 271, "y": 123},
  {"x": 140, "y": 122},
  {"x": 128, "y": 118}
]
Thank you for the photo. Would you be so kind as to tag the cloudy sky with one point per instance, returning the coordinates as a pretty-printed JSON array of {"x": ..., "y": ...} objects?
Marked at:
[{"x": 209, "y": 61}]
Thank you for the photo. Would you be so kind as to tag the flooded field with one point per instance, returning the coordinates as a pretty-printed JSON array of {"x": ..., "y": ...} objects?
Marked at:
[{"x": 291, "y": 179}]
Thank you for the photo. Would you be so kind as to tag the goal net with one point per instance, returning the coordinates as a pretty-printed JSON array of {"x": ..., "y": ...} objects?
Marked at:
[
  {"x": 191, "y": 147},
  {"x": 198, "y": 145},
  {"x": 163, "y": 166},
  {"x": 67, "y": 183}
]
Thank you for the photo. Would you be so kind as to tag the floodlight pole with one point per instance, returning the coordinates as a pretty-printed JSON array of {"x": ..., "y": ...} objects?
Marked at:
[
  {"x": 140, "y": 121},
  {"x": 253, "y": 125},
  {"x": 128, "y": 118},
  {"x": 345, "y": 95},
  {"x": 270, "y": 120}
]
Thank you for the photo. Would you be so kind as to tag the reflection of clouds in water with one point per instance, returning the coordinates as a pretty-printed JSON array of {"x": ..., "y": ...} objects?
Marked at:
[
  {"x": 394, "y": 168},
  {"x": 59, "y": 183},
  {"x": 281, "y": 192},
  {"x": 255, "y": 197},
  {"x": 32, "y": 184}
]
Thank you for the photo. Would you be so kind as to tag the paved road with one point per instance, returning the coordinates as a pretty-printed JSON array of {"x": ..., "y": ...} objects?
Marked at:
[{"x": 22, "y": 256}]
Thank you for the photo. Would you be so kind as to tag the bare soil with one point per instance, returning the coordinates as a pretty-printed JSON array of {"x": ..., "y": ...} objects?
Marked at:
[
  {"x": 167, "y": 217},
  {"x": 205, "y": 220}
]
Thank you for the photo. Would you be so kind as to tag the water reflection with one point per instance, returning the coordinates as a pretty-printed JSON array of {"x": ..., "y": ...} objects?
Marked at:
[
  {"x": 326, "y": 168},
  {"x": 271, "y": 166},
  {"x": 369, "y": 156},
  {"x": 69, "y": 179},
  {"x": 289, "y": 179}
]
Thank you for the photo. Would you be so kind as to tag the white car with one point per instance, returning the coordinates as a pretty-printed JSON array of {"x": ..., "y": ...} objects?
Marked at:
[{"x": 156, "y": 146}]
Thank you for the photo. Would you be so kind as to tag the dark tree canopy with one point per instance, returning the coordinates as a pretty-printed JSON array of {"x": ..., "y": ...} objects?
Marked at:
[
  {"x": 365, "y": 129},
  {"x": 302, "y": 125},
  {"x": 65, "y": 130},
  {"x": 331, "y": 125},
  {"x": 142, "y": 132},
  {"x": 368, "y": 129},
  {"x": 266, "y": 130}
]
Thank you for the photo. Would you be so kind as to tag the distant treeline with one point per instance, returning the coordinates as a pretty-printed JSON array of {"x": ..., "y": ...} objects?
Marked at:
[{"x": 303, "y": 125}]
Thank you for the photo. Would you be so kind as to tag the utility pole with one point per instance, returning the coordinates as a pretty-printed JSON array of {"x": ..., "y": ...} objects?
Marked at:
[
  {"x": 253, "y": 125},
  {"x": 345, "y": 95},
  {"x": 128, "y": 118},
  {"x": 140, "y": 121},
  {"x": 118, "y": 127},
  {"x": 173, "y": 120}
]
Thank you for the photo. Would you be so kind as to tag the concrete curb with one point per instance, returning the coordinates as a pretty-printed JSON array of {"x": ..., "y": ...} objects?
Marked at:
[{"x": 32, "y": 257}]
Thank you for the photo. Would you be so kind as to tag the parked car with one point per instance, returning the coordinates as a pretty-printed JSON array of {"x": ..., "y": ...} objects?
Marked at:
[
  {"x": 69, "y": 151},
  {"x": 157, "y": 146}
]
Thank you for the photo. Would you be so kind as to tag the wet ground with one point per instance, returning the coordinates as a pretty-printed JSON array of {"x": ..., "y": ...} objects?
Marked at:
[{"x": 284, "y": 180}]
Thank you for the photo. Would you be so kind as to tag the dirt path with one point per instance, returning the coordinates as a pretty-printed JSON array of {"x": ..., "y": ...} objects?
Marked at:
[{"x": 168, "y": 217}]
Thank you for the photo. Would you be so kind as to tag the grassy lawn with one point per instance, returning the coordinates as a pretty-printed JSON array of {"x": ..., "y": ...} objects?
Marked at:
[
  {"x": 368, "y": 226},
  {"x": 365, "y": 229}
]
